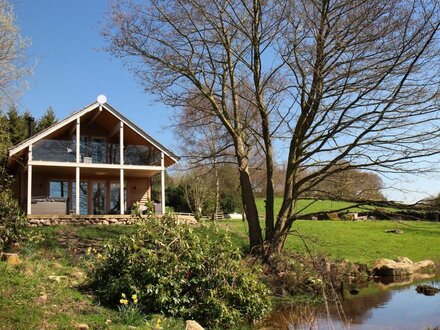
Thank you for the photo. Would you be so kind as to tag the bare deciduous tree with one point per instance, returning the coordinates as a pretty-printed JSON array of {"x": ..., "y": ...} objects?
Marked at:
[
  {"x": 205, "y": 143},
  {"x": 350, "y": 81},
  {"x": 13, "y": 64}
]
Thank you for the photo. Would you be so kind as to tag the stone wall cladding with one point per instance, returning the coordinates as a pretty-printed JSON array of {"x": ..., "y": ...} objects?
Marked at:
[{"x": 39, "y": 221}]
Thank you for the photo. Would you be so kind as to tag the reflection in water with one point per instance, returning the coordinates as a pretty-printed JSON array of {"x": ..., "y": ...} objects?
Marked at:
[{"x": 381, "y": 305}]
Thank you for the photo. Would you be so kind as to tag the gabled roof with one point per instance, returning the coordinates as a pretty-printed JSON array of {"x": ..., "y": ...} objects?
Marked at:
[{"x": 31, "y": 140}]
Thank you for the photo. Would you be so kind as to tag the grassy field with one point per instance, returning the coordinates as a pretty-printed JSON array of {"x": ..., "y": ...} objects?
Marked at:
[
  {"x": 360, "y": 241},
  {"x": 310, "y": 206},
  {"x": 30, "y": 300}
]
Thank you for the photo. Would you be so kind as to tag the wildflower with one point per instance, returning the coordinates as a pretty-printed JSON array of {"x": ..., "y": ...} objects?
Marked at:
[
  {"x": 134, "y": 298},
  {"x": 123, "y": 295},
  {"x": 123, "y": 301},
  {"x": 89, "y": 250}
]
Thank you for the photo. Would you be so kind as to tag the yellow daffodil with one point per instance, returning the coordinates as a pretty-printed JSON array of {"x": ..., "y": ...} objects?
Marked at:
[
  {"x": 89, "y": 250},
  {"x": 134, "y": 298},
  {"x": 123, "y": 295},
  {"x": 123, "y": 301}
]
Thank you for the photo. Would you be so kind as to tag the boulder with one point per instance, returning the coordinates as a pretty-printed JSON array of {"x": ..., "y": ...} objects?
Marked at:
[
  {"x": 57, "y": 279},
  {"x": 11, "y": 258},
  {"x": 387, "y": 267},
  {"x": 422, "y": 266},
  {"x": 193, "y": 325},
  {"x": 402, "y": 266},
  {"x": 427, "y": 290}
]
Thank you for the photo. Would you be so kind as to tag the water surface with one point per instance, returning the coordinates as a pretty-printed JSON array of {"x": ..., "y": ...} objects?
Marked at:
[{"x": 381, "y": 305}]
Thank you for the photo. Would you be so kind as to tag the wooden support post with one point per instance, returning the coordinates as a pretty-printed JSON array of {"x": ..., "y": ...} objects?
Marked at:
[
  {"x": 78, "y": 140},
  {"x": 121, "y": 162},
  {"x": 78, "y": 160},
  {"x": 29, "y": 183},
  {"x": 121, "y": 192},
  {"x": 77, "y": 191},
  {"x": 162, "y": 182}
]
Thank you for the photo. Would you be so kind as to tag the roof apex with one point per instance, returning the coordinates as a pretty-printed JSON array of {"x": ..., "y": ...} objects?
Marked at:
[{"x": 32, "y": 139}]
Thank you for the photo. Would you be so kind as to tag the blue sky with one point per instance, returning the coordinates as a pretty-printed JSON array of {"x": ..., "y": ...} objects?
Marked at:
[{"x": 72, "y": 70}]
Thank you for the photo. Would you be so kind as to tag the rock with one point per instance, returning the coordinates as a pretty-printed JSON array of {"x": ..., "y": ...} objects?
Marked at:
[
  {"x": 427, "y": 290},
  {"x": 422, "y": 266},
  {"x": 387, "y": 267},
  {"x": 11, "y": 258},
  {"x": 105, "y": 222},
  {"x": 354, "y": 291},
  {"x": 404, "y": 260},
  {"x": 57, "y": 279},
  {"x": 193, "y": 325},
  {"x": 402, "y": 266},
  {"x": 81, "y": 326},
  {"x": 394, "y": 231},
  {"x": 108, "y": 321}
]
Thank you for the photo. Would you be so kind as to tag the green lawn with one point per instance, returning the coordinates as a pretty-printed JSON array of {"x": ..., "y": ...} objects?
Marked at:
[
  {"x": 310, "y": 206},
  {"x": 61, "y": 251},
  {"x": 360, "y": 241},
  {"x": 30, "y": 300}
]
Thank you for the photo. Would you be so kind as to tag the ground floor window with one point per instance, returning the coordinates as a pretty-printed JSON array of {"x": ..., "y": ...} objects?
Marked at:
[
  {"x": 115, "y": 198},
  {"x": 83, "y": 197},
  {"x": 98, "y": 197},
  {"x": 59, "y": 188}
]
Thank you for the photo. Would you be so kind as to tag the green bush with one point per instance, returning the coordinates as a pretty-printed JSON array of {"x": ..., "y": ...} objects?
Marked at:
[
  {"x": 177, "y": 271},
  {"x": 12, "y": 221}
]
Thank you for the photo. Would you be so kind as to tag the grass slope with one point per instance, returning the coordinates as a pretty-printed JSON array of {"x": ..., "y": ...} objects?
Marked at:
[
  {"x": 310, "y": 206},
  {"x": 30, "y": 300}
]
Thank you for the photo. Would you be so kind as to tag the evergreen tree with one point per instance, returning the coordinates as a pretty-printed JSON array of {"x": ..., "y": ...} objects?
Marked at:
[
  {"x": 48, "y": 119},
  {"x": 17, "y": 125},
  {"x": 5, "y": 139}
]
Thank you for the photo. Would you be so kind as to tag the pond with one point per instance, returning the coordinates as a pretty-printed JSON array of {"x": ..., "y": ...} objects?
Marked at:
[{"x": 383, "y": 304}]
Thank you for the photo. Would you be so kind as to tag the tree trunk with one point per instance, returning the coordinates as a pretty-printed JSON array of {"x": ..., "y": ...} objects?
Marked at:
[
  {"x": 250, "y": 209},
  {"x": 217, "y": 193},
  {"x": 276, "y": 244},
  {"x": 248, "y": 198}
]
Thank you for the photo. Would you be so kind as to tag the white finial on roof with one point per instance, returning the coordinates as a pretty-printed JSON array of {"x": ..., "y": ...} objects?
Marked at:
[{"x": 101, "y": 99}]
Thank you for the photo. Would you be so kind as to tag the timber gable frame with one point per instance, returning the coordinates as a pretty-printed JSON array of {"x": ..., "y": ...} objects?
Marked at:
[{"x": 145, "y": 166}]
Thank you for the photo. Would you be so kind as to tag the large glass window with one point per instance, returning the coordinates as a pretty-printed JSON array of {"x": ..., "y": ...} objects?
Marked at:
[
  {"x": 98, "y": 150},
  {"x": 98, "y": 198},
  {"x": 59, "y": 188},
  {"x": 83, "y": 197},
  {"x": 115, "y": 198}
]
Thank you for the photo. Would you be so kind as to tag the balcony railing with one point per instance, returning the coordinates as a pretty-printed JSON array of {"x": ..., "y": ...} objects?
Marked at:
[
  {"x": 141, "y": 155},
  {"x": 95, "y": 152},
  {"x": 54, "y": 151}
]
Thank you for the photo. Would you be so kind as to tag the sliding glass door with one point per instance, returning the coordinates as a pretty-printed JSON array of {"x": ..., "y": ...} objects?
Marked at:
[
  {"x": 83, "y": 197},
  {"x": 98, "y": 197}
]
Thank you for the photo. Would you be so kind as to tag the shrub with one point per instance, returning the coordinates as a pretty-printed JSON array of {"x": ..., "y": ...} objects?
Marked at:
[
  {"x": 180, "y": 272},
  {"x": 333, "y": 216},
  {"x": 12, "y": 221}
]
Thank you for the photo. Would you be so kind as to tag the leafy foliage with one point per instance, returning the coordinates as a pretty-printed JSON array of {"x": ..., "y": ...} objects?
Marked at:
[
  {"x": 12, "y": 220},
  {"x": 176, "y": 271}
]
